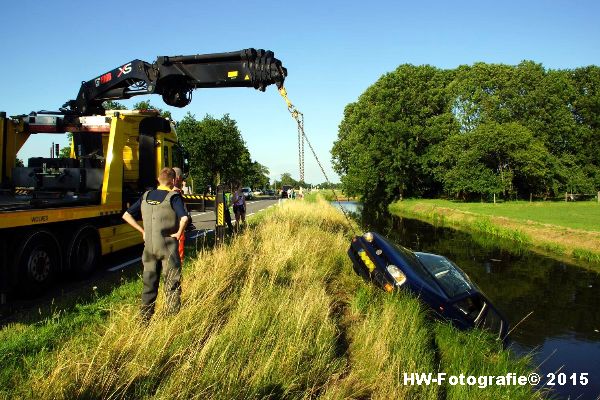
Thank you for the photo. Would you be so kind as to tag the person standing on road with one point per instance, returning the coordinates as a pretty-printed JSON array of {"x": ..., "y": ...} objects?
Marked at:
[
  {"x": 239, "y": 205},
  {"x": 185, "y": 188},
  {"x": 165, "y": 218},
  {"x": 179, "y": 189},
  {"x": 227, "y": 204}
]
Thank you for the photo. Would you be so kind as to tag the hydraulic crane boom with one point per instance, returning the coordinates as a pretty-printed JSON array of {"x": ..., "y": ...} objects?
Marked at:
[{"x": 175, "y": 77}]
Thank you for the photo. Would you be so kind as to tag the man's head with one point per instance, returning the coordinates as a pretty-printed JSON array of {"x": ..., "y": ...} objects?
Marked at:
[
  {"x": 166, "y": 177},
  {"x": 178, "y": 176},
  {"x": 184, "y": 183}
]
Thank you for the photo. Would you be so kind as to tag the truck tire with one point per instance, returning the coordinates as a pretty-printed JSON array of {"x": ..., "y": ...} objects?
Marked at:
[
  {"x": 83, "y": 251},
  {"x": 38, "y": 261}
]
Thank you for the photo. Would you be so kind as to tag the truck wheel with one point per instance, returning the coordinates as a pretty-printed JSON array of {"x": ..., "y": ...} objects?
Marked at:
[
  {"x": 38, "y": 260},
  {"x": 83, "y": 251}
]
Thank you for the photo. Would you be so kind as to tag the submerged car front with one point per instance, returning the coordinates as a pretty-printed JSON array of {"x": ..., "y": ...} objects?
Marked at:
[{"x": 437, "y": 281}]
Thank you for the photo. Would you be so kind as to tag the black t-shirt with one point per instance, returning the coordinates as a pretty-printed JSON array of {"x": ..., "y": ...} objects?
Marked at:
[{"x": 157, "y": 196}]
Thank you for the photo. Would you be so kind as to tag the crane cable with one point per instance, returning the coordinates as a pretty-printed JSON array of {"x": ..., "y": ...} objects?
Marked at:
[{"x": 299, "y": 117}]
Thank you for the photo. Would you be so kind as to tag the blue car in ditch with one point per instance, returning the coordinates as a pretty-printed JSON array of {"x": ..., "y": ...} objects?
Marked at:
[{"x": 434, "y": 279}]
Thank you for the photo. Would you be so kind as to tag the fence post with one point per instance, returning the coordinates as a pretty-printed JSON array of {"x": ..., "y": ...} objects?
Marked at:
[
  {"x": 598, "y": 197},
  {"x": 494, "y": 198}
]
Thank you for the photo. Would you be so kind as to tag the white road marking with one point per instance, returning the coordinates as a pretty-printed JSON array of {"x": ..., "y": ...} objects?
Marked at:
[
  {"x": 125, "y": 264},
  {"x": 200, "y": 234},
  {"x": 202, "y": 213}
]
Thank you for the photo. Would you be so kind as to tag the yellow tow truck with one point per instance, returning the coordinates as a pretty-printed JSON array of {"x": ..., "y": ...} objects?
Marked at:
[{"x": 60, "y": 215}]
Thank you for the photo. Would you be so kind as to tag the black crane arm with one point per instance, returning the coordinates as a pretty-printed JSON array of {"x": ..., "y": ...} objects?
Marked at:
[{"x": 175, "y": 77}]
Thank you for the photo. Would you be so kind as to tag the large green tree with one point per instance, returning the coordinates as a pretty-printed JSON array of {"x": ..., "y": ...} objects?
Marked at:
[
  {"x": 257, "y": 175},
  {"x": 493, "y": 159},
  {"x": 472, "y": 131},
  {"x": 216, "y": 148},
  {"x": 386, "y": 132},
  {"x": 287, "y": 180}
]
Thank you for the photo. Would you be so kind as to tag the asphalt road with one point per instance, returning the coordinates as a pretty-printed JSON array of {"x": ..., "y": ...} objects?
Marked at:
[{"x": 206, "y": 220}]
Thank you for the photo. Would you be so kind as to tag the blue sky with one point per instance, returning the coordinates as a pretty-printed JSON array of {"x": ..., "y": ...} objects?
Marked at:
[{"x": 333, "y": 51}]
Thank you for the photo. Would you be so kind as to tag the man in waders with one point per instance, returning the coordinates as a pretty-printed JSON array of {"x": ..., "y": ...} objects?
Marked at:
[
  {"x": 164, "y": 216},
  {"x": 227, "y": 204},
  {"x": 178, "y": 187}
]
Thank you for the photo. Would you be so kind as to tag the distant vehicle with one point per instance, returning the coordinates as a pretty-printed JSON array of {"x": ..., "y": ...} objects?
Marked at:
[
  {"x": 247, "y": 192},
  {"x": 436, "y": 280},
  {"x": 285, "y": 191},
  {"x": 270, "y": 192},
  {"x": 257, "y": 192}
]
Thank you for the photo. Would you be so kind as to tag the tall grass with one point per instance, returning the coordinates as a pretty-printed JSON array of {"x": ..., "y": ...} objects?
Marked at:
[
  {"x": 277, "y": 313},
  {"x": 389, "y": 336},
  {"x": 476, "y": 353}
]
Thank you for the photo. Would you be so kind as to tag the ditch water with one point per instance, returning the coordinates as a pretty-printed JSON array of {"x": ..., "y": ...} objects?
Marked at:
[{"x": 563, "y": 332}]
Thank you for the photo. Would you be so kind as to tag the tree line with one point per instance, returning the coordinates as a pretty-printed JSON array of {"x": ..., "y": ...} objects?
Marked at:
[
  {"x": 472, "y": 132},
  {"x": 287, "y": 180}
]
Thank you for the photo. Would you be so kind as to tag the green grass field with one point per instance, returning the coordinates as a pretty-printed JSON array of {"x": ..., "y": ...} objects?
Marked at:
[
  {"x": 276, "y": 313},
  {"x": 578, "y": 215},
  {"x": 569, "y": 231}
]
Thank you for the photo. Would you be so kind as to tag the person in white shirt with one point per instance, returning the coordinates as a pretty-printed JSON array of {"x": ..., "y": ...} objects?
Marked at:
[{"x": 185, "y": 188}]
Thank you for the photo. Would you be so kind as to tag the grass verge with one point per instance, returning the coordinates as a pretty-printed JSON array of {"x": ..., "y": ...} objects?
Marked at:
[
  {"x": 276, "y": 313},
  {"x": 328, "y": 194},
  {"x": 557, "y": 240}
]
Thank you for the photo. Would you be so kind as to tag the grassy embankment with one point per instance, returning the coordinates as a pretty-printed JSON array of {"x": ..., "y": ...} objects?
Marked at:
[
  {"x": 557, "y": 228},
  {"x": 328, "y": 195},
  {"x": 276, "y": 313}
]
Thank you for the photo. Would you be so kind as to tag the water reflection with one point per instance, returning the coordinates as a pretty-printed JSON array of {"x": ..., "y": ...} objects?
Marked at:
[{"x": 563, "y": 330}]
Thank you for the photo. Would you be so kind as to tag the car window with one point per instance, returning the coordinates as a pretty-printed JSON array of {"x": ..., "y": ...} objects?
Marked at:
[
  {"x": 416, "y": 265},
  {"x": 447, "y": 274}
]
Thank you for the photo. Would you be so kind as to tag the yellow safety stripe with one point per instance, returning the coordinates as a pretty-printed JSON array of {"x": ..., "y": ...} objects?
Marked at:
[
  {"x": 220, "y": 214},
  {"x": 12, "y": 219},
  {"x": 197, "y": 197}
]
